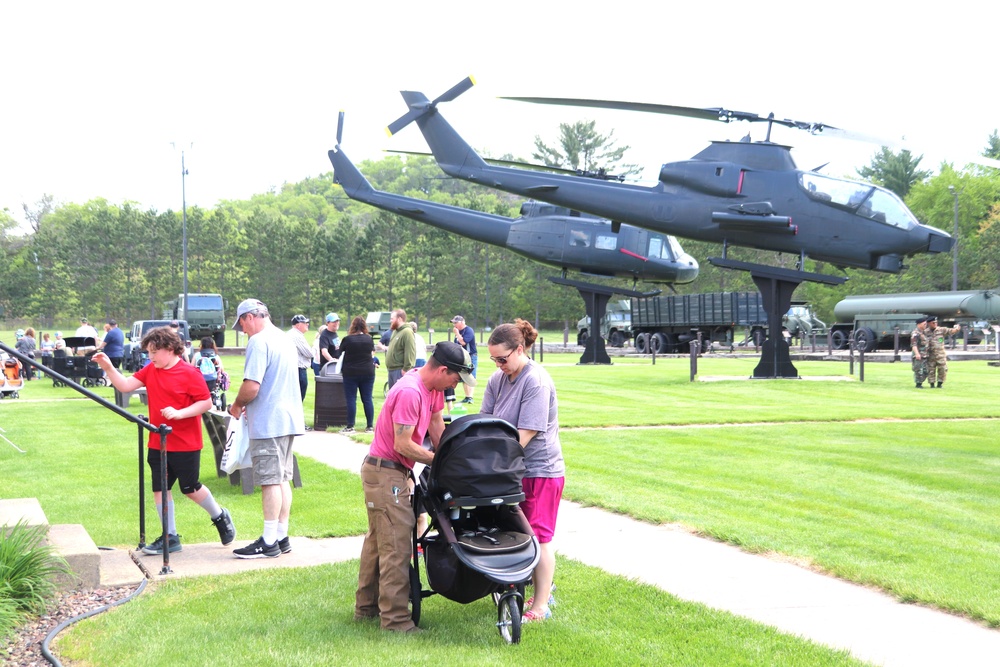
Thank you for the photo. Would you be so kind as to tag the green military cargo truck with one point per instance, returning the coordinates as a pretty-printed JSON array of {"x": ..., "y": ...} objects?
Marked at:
[{"x": 204, "y": 313}]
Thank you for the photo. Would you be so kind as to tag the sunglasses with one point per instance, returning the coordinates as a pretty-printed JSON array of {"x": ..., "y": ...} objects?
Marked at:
[{"x": 502, "y": 360}]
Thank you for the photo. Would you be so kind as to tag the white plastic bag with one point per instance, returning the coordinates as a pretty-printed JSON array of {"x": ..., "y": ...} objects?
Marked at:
[
  {"x": 236, "y": 455},
  {"x": 340, "y": 364}
]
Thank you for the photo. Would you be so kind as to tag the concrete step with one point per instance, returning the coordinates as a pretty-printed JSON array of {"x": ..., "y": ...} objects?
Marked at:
[
  {"x": 73, "y": 542},
  {"x": 91, "y": 567},
  {"x": 13, "y": 510}
]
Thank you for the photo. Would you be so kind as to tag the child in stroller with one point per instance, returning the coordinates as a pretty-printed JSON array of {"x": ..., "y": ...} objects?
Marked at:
[
  {"x": 478, "y": 542},
  {"x": 11, "y": 381},
  {"x": 207, "y": 360}
]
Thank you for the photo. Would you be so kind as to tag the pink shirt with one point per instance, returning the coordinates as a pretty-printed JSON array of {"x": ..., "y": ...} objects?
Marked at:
[{"x": 409, "y": 403}]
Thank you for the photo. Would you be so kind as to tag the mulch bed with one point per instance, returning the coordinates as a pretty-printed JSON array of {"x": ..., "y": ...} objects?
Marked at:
[{"x": 25, "y": 647}]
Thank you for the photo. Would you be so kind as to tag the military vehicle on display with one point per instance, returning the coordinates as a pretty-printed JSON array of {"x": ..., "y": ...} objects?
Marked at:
[
  {"x": 801, "y": 322},
  {"x": 616, "y": 325},
  {"x": 553, "y": 235},
  {"x": 204, "y": 313},
  {"x": 378, "y": 321},
  {"x": 668, "y": 324},
  {"x": 746, "y": 193},
  {"x": 874, "y": 319}
]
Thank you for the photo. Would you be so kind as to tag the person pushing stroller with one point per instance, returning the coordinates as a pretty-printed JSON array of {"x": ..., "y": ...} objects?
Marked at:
[{"x": 412, "y": 410}]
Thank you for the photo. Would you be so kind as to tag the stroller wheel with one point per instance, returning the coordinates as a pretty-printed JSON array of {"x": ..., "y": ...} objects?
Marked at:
[
  {"x": 509, "y": 619},
  {"x": 415, "y": 595}
]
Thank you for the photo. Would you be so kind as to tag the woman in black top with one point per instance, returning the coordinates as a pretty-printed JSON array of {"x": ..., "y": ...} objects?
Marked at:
[{"x": 357, "y": 349}]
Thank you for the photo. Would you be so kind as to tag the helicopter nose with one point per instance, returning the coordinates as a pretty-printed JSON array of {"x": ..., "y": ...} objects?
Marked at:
[{"x": 939, "y": 241}]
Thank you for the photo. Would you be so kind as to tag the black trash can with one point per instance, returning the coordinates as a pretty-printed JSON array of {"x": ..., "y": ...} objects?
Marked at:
[{"x": 331, "y": 406}]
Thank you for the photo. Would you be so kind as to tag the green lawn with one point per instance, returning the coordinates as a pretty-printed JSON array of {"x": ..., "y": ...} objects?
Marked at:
[
  {"x": 788, "y": 466},
  {"x": 305, "y": 617}
]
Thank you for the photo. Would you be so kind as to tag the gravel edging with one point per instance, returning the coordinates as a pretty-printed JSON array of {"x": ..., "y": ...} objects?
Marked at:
[{"x": 24, "y": 649}]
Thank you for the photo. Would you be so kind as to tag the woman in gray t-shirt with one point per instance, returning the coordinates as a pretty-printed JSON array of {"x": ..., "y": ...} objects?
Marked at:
[{"x": 522, "y": 393}]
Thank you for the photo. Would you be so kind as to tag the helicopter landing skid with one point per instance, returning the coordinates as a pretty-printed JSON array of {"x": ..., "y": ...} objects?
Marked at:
[
  {"x": 596, "y": 298},
  {"x": 776, "y": 286}
]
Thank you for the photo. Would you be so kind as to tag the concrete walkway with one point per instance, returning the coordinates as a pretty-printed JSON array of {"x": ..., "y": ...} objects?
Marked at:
[{"x": 869, "y": 624}]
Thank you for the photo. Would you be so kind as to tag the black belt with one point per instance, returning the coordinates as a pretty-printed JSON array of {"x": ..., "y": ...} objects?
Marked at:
[{"x": 387, "y": 463}]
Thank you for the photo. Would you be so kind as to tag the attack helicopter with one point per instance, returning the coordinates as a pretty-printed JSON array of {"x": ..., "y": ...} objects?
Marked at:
[
  {"x": 746, "y": 193},
  {"x": 552, "y": 235}
]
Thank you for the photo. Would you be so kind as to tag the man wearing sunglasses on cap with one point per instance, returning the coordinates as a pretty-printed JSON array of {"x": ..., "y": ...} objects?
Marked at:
[{"x": 412, "y": 410}]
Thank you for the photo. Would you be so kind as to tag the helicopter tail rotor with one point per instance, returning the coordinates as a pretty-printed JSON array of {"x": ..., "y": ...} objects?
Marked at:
[
  {"x": 419, "y": 105},
  {"x": 340, "y": 127}
]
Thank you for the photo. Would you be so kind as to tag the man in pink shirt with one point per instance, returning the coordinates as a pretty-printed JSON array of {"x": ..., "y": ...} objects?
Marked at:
[{"x": 411, "y": 411}]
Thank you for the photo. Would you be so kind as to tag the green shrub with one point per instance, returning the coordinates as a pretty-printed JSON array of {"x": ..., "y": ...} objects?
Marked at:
[{"x": 27, "y": 571}]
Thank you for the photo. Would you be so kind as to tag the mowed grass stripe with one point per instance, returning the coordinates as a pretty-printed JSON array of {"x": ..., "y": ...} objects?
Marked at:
[{"x": 911, "y": 509}]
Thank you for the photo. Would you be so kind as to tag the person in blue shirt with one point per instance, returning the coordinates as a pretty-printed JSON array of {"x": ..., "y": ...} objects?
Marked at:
[
  {"x": 466, "y": 337},
  {"x": 113, "y": 344}
]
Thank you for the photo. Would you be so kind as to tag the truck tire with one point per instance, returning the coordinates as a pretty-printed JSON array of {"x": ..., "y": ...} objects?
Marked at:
[
  {"x": 865, "y": 340},
  {"x": 642, "y": 343},
  {"x": 838, "y": 339},
  {"x": 582, "y": 338},
  {"x": 616, "y": 339},
  {"x": 660, "y": 344},
  {"x": 220, "y": 338}
]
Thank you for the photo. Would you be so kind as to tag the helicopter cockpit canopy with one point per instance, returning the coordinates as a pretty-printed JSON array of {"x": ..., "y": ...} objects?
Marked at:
[
  {"x": 866, "y": 200},
  {"x": 664, "y": 247}
]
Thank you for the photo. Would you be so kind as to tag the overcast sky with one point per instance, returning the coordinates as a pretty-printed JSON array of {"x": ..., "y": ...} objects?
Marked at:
[{"x": 94, "y": 93}]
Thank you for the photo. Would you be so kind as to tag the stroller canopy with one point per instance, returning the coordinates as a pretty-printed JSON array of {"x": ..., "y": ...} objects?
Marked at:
[{"x": 478, "y": 457}]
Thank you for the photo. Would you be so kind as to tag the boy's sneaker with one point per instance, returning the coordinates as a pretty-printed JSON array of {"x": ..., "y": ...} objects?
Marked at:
[
  {"x": 258, "y": 549},
  {"x": 347, "y": 430},
  {"x": 467, "y": 400},
  {"x": 285, "y": 545},
  {"x": 224, "y": 524},
  {"x": 369, "y": 430},
  {"x": 156, "y": 548}
]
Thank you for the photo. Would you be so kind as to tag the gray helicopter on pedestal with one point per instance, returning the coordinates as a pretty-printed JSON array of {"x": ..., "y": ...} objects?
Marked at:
[
  {"x": 747, "y": 193},
  {"x": 553, "y": 235}
]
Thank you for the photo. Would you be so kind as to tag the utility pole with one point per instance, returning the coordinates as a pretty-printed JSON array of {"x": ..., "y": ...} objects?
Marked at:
[
  {"x": 184, "y": 230},
  {"x": 954, "y": 247}
]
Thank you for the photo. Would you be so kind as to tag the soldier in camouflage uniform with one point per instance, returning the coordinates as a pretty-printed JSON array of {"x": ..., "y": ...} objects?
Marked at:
[
  {"x": 918, "y": 343},
  {"x": 937, "y": 360}
]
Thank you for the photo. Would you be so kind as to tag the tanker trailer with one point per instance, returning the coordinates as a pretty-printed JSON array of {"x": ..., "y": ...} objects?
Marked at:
[{"x": 875, "y": 318}]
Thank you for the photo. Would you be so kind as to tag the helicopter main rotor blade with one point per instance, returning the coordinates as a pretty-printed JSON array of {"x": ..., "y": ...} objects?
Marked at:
[{"x": 709, "y": 113}]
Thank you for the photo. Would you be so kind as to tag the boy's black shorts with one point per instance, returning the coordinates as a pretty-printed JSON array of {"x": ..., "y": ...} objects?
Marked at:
[{"x": 181, "y": 466}]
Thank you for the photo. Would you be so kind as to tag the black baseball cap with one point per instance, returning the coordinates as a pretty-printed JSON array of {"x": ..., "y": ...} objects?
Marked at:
[{"x": 454, "y": 357}]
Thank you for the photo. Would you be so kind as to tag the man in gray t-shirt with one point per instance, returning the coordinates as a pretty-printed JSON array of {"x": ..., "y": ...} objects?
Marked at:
[{"x": 271, "y": 399}]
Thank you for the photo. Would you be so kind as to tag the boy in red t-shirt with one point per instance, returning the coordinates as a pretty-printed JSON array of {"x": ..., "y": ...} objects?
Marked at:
[{"x": 177, "y": 396}]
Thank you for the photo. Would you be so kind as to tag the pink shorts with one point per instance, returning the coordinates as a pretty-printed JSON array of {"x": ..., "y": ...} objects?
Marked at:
[{"x": 541, "y": 504}]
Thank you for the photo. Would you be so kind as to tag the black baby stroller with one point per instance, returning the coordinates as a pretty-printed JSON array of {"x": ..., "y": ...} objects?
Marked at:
[
  {"x": 477, "y": 542},
  {"x": 80, "y": 367}
]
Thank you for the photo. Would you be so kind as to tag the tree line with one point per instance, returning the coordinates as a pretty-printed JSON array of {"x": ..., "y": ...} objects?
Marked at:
[{"x": 308, "y": 248}]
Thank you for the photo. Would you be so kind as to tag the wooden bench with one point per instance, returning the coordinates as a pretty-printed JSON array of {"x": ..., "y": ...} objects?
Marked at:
[{"x": 122, "y": 399}]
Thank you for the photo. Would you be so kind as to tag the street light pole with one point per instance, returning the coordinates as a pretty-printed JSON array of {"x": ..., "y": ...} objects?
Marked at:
[
  {"x": 184, "y": 236},
  {"x": 954, "y": 247}
]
